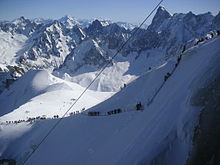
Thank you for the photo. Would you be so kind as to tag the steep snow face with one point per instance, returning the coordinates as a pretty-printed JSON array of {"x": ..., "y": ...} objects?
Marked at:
[{"x": 160, "y": 134}]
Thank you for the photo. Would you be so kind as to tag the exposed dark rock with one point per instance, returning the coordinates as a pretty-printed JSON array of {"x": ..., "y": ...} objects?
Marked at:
[
  {"x": 8, "y": 161},
  {"x": 161, "y": 15},
  {"x": 206, "y": 142},
  {"x": 216, "y": 20}
]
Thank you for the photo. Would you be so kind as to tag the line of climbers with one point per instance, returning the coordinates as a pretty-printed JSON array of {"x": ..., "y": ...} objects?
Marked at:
[
  {"x": 212, "y": 35},
  {"x": 93, "y": 113},
  {"x": 43, "y": 117},
  {"x": 30, "y": 119},
  {"x": 185, "y": 47},
  {"x": 115, "y": 111},
  {"x": 195, "y": 42},
  {"x": 139, "y": 106}
]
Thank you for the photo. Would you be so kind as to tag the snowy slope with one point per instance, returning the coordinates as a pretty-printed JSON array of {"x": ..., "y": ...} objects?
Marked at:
[
  {"x": 120, "y": 71},
  {"x": 65, "y": 45},
  {"x": 10, "y": 45},
  {"x": 161, "y": 134},
  {"x": 38, "y": 93}
]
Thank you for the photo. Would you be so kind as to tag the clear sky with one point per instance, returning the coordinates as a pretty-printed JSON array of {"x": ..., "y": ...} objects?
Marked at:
[{"x": 132, "y": 11}]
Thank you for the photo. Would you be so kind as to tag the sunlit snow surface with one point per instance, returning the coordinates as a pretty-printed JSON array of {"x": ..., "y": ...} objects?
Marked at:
[
  {"x": 160, "y": 134},
  {"x": 9, "y": 47},
  {"x": 39, "y": 93}
]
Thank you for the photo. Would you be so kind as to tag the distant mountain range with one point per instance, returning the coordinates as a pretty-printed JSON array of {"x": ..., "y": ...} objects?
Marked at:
[
  {"x": 156, "y": 103},
  {"x": 72, "y": 46}
]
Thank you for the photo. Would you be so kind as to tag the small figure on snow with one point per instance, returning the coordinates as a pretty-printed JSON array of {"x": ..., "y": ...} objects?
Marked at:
[{"x": 139, "y": 106}]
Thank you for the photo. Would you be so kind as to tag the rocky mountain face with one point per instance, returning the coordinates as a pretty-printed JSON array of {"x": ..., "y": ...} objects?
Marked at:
[
  {"x": 49, "y": 47},
  {"x": 81, "y": 56},
  {"x": 216, "y": 20},
  {"x": 161, "y": 15},
  {"x": 72, "y": 45},
  {"x": 21, "y": 26}
]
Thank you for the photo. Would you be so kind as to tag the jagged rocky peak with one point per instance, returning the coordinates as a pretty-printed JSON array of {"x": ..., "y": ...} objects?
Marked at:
[
  {"x": 95, "y": 27},
  {"x": 88, "y": 53},
  {"x": 200, "y": 23},
  {"x": 21, "y": 20},
  {"x": 95, "y": 55},
  {"x": 42, "y": 21},
  {"x": 105, "y": 22},
  {"x": 216, "y": 20},
  {"x": 67, "y": 18},
  {"x": 50, "y": 47},
  {"x": 115, "y": 28},
  {"x": 190, "y": 19},
  {"x": 69, "y": 21},
  {"x": 54, "y": 26},
  {"x": 96, "y": 24},
  {"x": 129, "y": 26},
  {"x": 199, "y": 19},
  {"x": 161, "y": 15},
  {"x": 77, "y": 34},
  {"x": 21, "y": 26}
]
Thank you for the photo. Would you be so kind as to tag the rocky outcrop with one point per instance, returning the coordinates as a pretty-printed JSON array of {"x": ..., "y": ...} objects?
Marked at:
[
  {"x": 207, "y": 133},
  {"x": 216, "y": 21},
  {"x": 161, "y": 15}
]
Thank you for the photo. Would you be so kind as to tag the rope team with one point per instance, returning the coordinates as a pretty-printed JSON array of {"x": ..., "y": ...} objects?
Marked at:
[{"x": 138, "y": 106}]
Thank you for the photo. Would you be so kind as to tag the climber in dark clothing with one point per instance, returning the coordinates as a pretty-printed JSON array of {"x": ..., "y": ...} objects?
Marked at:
[
  {"x": 139, "y": 106},
  {"x": 167, "y": 76},
  {"x": 184, "y": 48}
]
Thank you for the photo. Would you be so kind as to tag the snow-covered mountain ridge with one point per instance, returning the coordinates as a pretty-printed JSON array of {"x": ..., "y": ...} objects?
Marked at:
[
  {"x": 161, "y": 134},
  {"x": 46, "y": 64},
  {"x": 55, "y": 44}
]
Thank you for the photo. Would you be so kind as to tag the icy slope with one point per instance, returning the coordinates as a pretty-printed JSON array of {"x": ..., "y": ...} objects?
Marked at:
[{"x": 161, "y": 134}]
